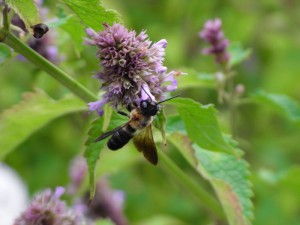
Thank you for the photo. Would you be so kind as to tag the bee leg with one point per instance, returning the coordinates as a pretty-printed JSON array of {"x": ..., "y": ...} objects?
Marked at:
[{"x": 123, "y": 113}]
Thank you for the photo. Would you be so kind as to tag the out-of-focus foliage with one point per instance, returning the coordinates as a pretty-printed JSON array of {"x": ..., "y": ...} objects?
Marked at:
[{"x": 270, "y": 139}]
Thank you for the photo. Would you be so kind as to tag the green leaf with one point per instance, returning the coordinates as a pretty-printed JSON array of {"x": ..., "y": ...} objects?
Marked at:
[
  {"x": 184, "y": 145},
  {"x": 160, "y": 124},
  {"x": 175, "y": 124},
  {"x": 92, "y": 13},
  {"x": 104, "y": 222},
  {"x": 72, "y": 26},
  {"x": 92, "y": 151},
  {"x": 60, "y": 21},
  {"x": 35, "y": 111},
  {"x": 237, "y": 53},
  {"x": 201, "y": 125},
  {"x": 288, "y": 106},
  {"x": 27, "y": 11},
  {"x": 229, "y": 177},
  {"x": 5, "y": 53},
  {"x": 76, "y": 31},
  {"x": 161, "y": 220},
  {"x": 194, "y": 79}
]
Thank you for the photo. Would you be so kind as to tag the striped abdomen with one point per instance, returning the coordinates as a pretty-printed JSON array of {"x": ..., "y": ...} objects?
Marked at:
[{"x": 121, "y": 137}]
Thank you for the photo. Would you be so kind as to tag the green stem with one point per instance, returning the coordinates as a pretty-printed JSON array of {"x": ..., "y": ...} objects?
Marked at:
[
  {"x": 230, "y": 100},
  {"x": 42, "y": 63},
  {"x": 206, "y": 199},
  {"x": 232, "y": 107}
]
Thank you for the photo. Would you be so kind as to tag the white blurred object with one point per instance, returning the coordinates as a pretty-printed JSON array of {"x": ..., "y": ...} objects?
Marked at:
[{"x": 13, "y": 195}]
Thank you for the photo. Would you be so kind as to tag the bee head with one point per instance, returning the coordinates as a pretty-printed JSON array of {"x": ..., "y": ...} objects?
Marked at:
[{"x": 149, "y": 108}]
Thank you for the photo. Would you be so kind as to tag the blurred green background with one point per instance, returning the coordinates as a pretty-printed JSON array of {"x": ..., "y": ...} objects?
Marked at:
[{"x": 271, "y": 29}]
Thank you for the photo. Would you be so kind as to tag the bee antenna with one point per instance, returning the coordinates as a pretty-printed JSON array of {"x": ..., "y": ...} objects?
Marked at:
[{"x": 168, "y": 99}]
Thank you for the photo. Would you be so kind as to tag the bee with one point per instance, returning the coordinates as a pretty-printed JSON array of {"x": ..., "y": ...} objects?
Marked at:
[{"x": 137, "y": 128}]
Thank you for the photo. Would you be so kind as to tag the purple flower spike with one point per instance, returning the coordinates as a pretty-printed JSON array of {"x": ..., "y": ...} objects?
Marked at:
[
  {"x": 47, "y": 208},
  {"x": 129, "y": 62},
  {"x": 212, "y": 33}
]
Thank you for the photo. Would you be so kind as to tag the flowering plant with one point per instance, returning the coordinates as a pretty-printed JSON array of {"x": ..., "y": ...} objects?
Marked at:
[{"x": 70, "y": 114}]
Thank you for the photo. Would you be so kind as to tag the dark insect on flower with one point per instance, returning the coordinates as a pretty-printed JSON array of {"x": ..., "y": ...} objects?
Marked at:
[
  {"x": 39, "y": 30},
  {"x": 139, "y": 128},
  {"x": 129, "y": 62},
  {"x": 212, "y": 33}
]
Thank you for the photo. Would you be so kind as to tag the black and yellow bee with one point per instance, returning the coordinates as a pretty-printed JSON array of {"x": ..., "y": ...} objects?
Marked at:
[{"x": 139, "y": 128}]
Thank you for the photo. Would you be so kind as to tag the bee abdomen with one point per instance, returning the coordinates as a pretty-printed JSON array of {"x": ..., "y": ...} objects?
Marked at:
[{"x": 120, "y": 138}]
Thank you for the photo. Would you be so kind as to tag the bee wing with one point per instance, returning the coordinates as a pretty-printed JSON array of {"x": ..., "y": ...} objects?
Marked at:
[
  {"x": 144, "y": 143},
  {"x": 109, "y": 133}
]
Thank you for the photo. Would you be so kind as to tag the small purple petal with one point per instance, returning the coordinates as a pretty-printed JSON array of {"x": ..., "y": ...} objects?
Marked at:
[
  {"x": 118, "y": 198},
  {"x": 146, "y": 94},
  {"x": 98, "y": 105},
  {"x": 59, "y": 191},
  {"x": 163, "y": 43}
]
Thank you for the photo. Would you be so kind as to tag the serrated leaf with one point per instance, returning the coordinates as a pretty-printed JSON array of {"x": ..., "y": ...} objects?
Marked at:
[
  {"x": 229, "y": 177},
  {"x": 195, "y": 79},
  {"x": 237, "y": 53},
  {"x": 160, "y": 124},
  {"x": 33, "y": 112},
  {"x": 227, "y": 173},
  {"x": 284, "y": 103},
  {"x": 59, "y": 22},
  {"x": 92, "y": 13},
  {"x": 5, "y": 53},
  {"x": 201, "y": 125},
  {"x": 92, "y": 151},
  {"x": 27, "y": 11},
  {"x": 76, "y": 31}
]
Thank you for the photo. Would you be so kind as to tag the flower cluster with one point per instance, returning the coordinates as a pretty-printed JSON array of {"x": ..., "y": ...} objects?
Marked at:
[
  {"x": 47, "y": 208},
  {"x": 212, "y": 33},
  {"x": 131, "y": 65}
]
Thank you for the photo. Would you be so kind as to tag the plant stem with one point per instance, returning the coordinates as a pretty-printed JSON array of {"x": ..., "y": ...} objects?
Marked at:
[
  {"x": 205, "y": 198},
  {"x": 232, "y": 107},
  {"x": 231, "y": 98},
  {"x": 42, "y": 63}
]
